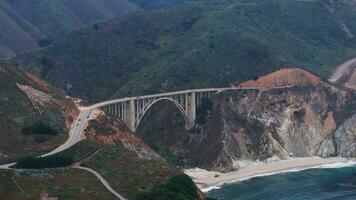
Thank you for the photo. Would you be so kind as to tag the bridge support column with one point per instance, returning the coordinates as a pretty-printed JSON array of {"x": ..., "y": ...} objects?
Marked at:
[
  {"x": 191, "y": 110},
  {"x": 130, "y": 119}
]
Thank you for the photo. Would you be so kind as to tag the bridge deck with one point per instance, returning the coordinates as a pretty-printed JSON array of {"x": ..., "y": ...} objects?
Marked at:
[{"x": 114, "y": 101}]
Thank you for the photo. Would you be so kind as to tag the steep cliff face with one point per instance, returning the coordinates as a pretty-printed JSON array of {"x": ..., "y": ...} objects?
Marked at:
[
  {"x": 345, "y": 138},
  {"x": 299, "y": 120}
]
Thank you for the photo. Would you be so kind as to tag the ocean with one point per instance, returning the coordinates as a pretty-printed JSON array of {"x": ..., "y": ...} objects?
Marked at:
[{"x": 331, "y": 182}]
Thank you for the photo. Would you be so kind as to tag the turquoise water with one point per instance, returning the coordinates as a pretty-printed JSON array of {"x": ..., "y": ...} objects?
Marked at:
[{"x": 313, "y": 184}]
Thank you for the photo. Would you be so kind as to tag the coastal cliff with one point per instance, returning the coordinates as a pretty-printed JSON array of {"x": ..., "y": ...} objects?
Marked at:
[{"x": 307, "y": 118}]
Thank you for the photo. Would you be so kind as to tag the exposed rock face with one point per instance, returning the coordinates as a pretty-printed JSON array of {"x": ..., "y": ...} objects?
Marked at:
[
  {"x": 351, "y": 81},
  {"x": 345, "y": 138},
  {"x": 296, "y": 121},
  {"x": 299, "y": 121}
]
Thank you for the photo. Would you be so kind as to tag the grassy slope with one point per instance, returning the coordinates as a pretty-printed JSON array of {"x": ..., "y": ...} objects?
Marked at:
[
  {"x": 196, "y": 45},
  {"x": 127, "y": 173},
  {"x": 123, "y": 169}
]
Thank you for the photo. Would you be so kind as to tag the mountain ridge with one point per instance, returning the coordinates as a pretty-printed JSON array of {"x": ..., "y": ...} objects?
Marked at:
[
  {"x": 31, "y": 24},
  {"x": 195, "y": 45}
]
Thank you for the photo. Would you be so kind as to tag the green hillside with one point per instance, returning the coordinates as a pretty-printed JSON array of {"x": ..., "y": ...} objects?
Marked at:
[
  {"x": 29, "y": 24},
  {"x": 197, "y": 45}
]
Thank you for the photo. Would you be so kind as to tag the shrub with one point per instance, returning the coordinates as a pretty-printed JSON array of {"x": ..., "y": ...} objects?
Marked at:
[
  {"x": 41, "y": 138},
  {"x": 39, "y": 128},
  {"x": 179, "y": 187},
  {"x": 44, "y": 42},
  {"x": 46, "y": 162},
  {"x": 202, "y": 111}
]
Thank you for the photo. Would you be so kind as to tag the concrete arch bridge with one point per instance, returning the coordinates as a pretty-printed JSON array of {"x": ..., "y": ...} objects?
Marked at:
[{"x": 131, "y": 110}]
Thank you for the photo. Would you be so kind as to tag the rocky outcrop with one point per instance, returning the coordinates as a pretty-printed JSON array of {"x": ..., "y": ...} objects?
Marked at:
[
  {"x": 345, "y": 138},
  {"x": 299, "y": 121}
]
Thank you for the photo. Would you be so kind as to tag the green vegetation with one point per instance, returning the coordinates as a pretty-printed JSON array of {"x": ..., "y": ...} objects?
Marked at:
[
  {"x": 65, "y": 158},
  {"x": 39, "y": 128},
  {"x": 54, "y": 161},
  {"x": 198, "y": 44},
  {"x": 202, "y": 111},
  {"x": 179, "y": 187},
  {"x": 173, "y": 159},
  {"x": 81, "y": 150}
]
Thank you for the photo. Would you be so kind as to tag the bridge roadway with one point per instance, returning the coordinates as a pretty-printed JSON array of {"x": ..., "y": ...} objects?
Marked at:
[
  {"x": 75, "y": 132},
  {"x": 342, "y": 70},
  {"x": 104, "y": 103},
  {"x": 218, "y": 90}
]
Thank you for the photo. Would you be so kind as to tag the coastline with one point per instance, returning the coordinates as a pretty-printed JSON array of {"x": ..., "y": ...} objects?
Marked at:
[{"x": 210, "y": 180}]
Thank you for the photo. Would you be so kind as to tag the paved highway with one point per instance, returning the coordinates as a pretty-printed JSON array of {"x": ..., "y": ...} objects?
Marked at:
[
  {"x": 74, "y": 137},
  {"x": 7, "y": 166},
  {"x": 75, "y": 132},
  {"x": 342, "y": 70}
]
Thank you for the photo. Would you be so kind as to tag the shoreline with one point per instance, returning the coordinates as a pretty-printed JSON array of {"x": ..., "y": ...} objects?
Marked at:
[{"x": 210, "y": 180}]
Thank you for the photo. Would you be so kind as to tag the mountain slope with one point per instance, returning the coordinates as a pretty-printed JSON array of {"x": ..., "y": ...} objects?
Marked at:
[
  {"x": 197, "y": 45},
  {"x": 24, "y": 101},
  {"x": 29, "y": 24}
]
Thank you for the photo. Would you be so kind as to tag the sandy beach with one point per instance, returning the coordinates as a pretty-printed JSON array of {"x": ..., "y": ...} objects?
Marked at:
[{"x": 207, "y": 180}]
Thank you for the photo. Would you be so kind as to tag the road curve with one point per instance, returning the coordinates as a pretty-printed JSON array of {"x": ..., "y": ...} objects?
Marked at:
[
  {"x": 7, "y": 166},
  {"x": 103, "y": 181},
  {"x": 342, "y": 70},
  {"x": 74, "y": 134}
]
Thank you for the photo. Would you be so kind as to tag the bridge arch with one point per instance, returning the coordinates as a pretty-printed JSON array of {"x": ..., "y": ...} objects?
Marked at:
[
  {"x": 149, "y": 105},
  {"x": 131, "y": 110}
]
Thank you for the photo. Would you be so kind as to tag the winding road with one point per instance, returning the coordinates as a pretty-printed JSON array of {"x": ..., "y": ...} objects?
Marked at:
[
  {"x": 75, "y": 132},
  {"x": 74, "y": 137}
]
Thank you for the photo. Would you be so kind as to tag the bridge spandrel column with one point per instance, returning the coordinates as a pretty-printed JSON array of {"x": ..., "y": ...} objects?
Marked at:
[
  {"x": 191, "y": 110},
  {"x": 130, "y": 119}
]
